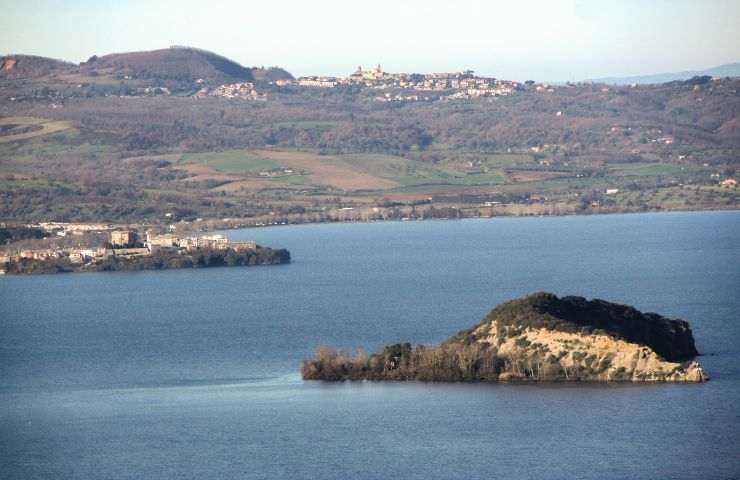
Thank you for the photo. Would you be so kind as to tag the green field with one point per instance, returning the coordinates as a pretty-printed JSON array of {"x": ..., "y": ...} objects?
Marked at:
[
  {"x": 653, "y": 170},
  {"x": 554, "y": 184},
  {"x": 681, "y": 197},
  {"x": 231, "y": 161},
  {"x": 46, "y": 127},
  {"x": 24, "y": 152},
  {"x": 456, "y": 179},
  {"x": 292, "y": 180},
  {"x": 501, "y": 160},
  {"x": 398, "y": 169},
  {"x": 7, "y": 185},
  {"x": 411, "y": 173}
]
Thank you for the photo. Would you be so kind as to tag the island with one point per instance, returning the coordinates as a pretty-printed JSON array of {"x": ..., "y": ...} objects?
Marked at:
[{"x": 540, "y": 337}]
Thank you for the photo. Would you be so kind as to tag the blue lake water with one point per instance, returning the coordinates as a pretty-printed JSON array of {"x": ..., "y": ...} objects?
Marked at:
[{"x": 194, "y": 373}]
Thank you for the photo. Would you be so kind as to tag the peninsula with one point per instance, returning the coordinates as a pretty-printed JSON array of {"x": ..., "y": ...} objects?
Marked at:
[
  {"x": 540, "y": 337},
  {"x": 126, "y": 250}
]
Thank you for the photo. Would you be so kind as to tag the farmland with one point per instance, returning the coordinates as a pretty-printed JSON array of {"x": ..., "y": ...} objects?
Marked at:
[
  {"x": 231, "y": 161},
  {"x": 13, "y": 129},
  {"x": 104, "y": 180},
  {"x": 108, "y": 153}
]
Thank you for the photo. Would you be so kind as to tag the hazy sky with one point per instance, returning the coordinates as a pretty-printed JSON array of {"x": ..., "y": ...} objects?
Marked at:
[{"x": 542, "y": 40}]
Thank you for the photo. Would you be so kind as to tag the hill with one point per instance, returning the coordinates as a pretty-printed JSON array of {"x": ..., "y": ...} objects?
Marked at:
[
  {"x": 540, "y": 337},
  {"x": 21, "y": 66},
  {"x": 270, "y": 74},
  {"x": 671, "y": 339},
  {"x": 727, "y": 70},
  {"x": 176, "y": 70},
  {"x": 183, "y": 64}
]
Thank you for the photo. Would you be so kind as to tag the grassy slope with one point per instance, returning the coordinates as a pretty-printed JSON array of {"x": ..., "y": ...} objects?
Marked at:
[
  {"x": 412, "y": 175},
  {"x": 232, "y": 161},
  {"x": 47, "y": 127},
  {"x": 653, "y": 169}
]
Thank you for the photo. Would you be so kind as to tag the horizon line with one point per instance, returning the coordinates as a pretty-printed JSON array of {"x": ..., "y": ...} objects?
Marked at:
[{"x": 588, "y": 79}]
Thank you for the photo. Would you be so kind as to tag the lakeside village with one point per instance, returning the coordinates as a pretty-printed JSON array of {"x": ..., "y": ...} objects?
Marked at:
[
  {"x": 402, "y": 87},
  {"x": 121, "y": 244}
]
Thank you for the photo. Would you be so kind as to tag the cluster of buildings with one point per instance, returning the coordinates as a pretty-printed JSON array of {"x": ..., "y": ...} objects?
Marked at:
[
  {"x": 457, "y": 85},
  {"x": 63, "y": 229},
  {"x": 152, "y": 243},
  {"x": 241, "y": 90},
  {"x": 153, "y": 91},
  {"x": 127, "y": 244},
  {"x": 75, "y": 255},
  {"x": 497, "y": 88},
  {"x": 407, "y": 86},
  {"x": 389, "y": 97},
  {"x": 314, "y": 81}
]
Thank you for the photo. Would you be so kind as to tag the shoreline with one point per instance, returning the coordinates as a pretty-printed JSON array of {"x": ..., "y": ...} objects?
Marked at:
[
  {"x": 161, "y": 260},
  {"x": 493, "y": 217},
  {"x": 213, "y": 226}
]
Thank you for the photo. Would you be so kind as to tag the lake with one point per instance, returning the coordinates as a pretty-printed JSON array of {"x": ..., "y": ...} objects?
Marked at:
[{"x": 194, "y": 373}]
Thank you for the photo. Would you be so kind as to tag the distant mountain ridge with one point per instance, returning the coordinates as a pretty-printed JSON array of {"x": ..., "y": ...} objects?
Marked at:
[{"x": 726, "y": 70}]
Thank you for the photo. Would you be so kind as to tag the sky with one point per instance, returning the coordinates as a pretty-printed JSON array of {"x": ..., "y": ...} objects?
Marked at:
[{"x": 549, "y": 40}]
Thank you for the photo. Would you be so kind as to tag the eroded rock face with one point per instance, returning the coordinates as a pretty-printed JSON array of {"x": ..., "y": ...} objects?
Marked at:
[
  {"x": 542, "y": 354},
  {"x": 8, "y": 64},
  {"x": 670, "y": 338}
]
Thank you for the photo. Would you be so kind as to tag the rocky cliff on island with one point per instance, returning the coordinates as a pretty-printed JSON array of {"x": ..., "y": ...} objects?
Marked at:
[{"x": 540, "y": 337}]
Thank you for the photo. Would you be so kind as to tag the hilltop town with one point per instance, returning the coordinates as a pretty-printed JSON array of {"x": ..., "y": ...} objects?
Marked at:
[
  {"x": 396, "y": 87},
  {"x": 391, "y": 87}
]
